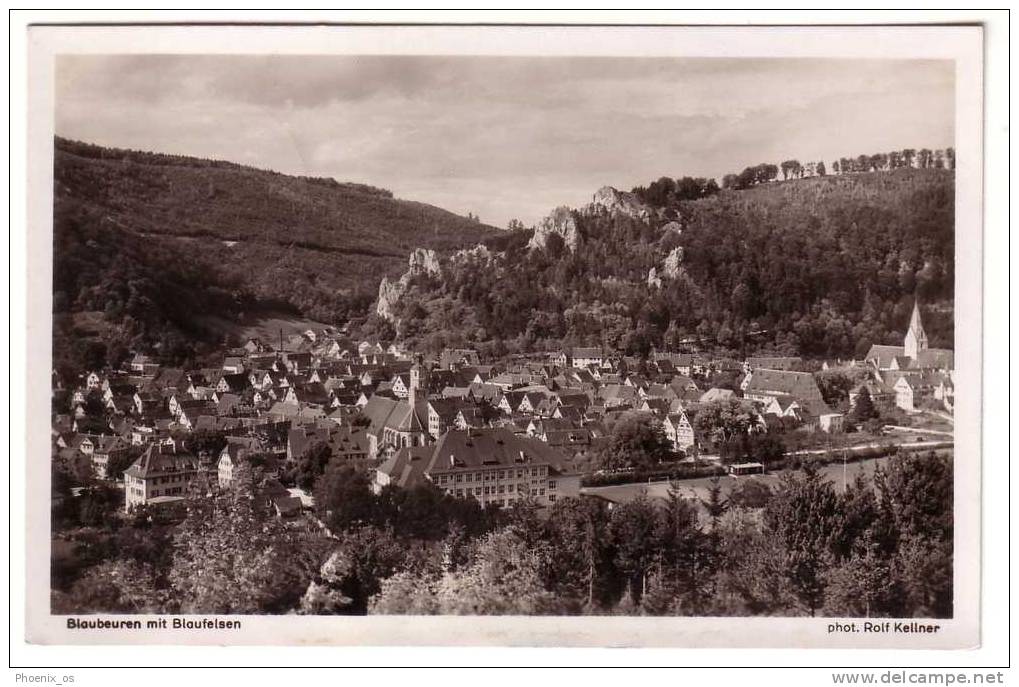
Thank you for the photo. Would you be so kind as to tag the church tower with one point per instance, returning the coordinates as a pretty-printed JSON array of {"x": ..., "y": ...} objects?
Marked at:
[
  {"x": 916, "y": 337},
  {"x": 419, "y": 382}
]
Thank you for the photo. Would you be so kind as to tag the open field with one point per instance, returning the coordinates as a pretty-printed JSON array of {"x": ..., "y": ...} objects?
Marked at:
[{"x": 264, "y": 326}]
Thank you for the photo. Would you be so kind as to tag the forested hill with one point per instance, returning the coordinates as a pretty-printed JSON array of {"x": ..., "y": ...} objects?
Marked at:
[
  {"x": 145, "y": 242},
  {"x": 818, "y": 266}
]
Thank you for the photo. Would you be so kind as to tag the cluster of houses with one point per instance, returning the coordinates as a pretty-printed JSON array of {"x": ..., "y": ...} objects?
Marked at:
[
  {"x": 912, "y": 376},
  {"x": 493, "y": 431}
]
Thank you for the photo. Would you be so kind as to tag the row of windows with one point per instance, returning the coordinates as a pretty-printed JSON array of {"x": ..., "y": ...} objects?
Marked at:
[
  {"x": 503, "y": 501},
  {"x": 504, "y": 489},
  {"x": 172, "y": 491},
  {"x": 170, "y": 478},
  {"x": 492, "y": 475}
]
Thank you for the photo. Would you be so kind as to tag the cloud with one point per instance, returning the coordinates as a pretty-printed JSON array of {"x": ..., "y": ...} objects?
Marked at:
[{"x": 503, "y": 137}]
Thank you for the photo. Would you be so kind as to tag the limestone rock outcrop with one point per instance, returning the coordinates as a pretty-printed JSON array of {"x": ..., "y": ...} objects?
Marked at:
[
  {"x": 610, "y": 200},
  {"x": 421, "y": 261},
  {"x": 560, "y": 222},
  {"x": 674, "y": 262}
]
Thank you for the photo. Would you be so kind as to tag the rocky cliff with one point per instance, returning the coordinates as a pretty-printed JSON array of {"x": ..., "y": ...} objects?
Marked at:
[
  {"x": 421, "y": 261},
  {"x": 610, "y": 200},
  {"x": 560, "y": 223}
]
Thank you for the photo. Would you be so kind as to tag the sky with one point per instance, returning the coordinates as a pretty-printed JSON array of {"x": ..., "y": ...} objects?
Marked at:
[{"x": 504, "y": 137}]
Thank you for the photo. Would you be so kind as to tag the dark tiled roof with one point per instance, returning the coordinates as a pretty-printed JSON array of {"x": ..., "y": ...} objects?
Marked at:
[
  {"x": 462, "y": 450},
  {"x": 769, "y": 382},
  {"x": 155, "y": 462}
]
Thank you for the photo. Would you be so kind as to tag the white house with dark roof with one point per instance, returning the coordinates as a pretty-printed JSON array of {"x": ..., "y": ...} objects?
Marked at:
[
  {"x": 679, "y": 430},
  {"x": 161, "y": 475},
  {"x": 582, "y": 356}
]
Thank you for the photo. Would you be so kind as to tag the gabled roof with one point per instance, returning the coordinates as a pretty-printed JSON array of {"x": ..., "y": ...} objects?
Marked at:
[
  {"x": 716, "y": 394},
  {"x": 939, "y": 358},
  {"x": 815, "y": 407},
  {"x": 155, "y": 462},
  {"x": 659, "y": 406},
  {"x": 445, "y": 408},
  {"x": 458, "y": 450},
  {"x": 774, "y": 362},
  {"x": 771, "y": 382},
  {"x": 884, "y": 354},
  {"x": 903, "y": 362},
  {"x": 410, "y": 418}
]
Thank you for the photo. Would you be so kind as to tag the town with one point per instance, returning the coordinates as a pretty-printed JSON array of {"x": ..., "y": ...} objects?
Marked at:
[{"x": 497, "y": 432}]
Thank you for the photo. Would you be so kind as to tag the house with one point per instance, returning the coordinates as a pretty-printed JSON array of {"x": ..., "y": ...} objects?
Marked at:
[
  {"x": 307, "y": 393},
  {"x": 815, "y": 415},
  {"x": 882, "y": 395},
  {"x": 492, "y": 466},
  {"x": 159, "y": 476},
  {"x": 401, "y": 385},
  {"x": 537, "y": 427},
  {"x": 469, "y": 417},
  {"x": 233, "y": 365},
  {"x": 145, "y": 402},
  {"x": 296, "y": 413},
  {"x": 569, "y": 413},
  {"x": 617, "y": 395},
  {"x": 569, "y": 441},
  {"x": 911, "y": 389},
  {"x": 454, "y": 358},
  {"x": 716, "y": 394},
  {"x": 763, "y": 384},
  {"x": 586, "y": 356},
  {"x": 190, "y": 414},
  {"x": 105, "y": 450},
  {"x": 346, "y": 444},
  {"x": 233, "y": 405},
  {"x": 232, "y": 383},
  {"x": 442, "y": 415},
  {"x": 489, "y": 393},
  {"x": 510, "y": 402},
  {"x": 786, "y": 363},
  {"x": 237, "y": 450},
  {"x": 657, "y": 406},
  {"x": 679, "y": 431}
]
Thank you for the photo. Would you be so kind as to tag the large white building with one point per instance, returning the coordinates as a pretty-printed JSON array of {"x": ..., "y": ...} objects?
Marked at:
[{"x": 492, "y": 466}]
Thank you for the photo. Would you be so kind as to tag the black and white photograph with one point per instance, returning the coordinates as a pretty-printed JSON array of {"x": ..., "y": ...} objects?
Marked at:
[{"x": 595, "y": 337}]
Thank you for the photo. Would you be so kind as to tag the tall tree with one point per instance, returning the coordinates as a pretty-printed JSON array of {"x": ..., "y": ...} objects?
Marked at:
[
  {"x": 864, "y": 408},
  {"x": 633, "y": 530},
  {"x": 802, "y": 515}
]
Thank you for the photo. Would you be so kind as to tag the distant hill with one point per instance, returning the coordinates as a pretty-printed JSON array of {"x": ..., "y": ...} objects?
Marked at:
[
  {"x": 821, "y": 266},
  {"x": 189, "y": 236}
]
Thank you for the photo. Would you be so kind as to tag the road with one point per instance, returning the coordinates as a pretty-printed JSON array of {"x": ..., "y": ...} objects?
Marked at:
[
  {"x": 864, "y": 447},
  {"x": 698, "y": 488}
]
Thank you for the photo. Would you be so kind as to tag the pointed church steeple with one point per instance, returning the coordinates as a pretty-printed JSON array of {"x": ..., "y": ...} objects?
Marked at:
[{"x": 916, "y": 337}]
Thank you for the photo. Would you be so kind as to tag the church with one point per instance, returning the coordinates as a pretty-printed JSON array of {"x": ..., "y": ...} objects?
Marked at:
[
  {"x": 918, "y": 375},
  {"x": 914, "y": 353},
  {"x": 395, "y": 424}
]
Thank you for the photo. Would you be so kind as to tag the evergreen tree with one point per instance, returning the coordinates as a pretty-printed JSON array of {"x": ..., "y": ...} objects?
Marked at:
[{"x": 864, "y": 408}]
